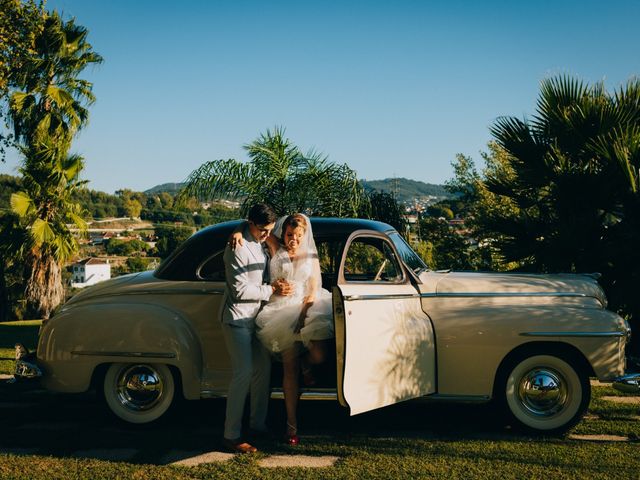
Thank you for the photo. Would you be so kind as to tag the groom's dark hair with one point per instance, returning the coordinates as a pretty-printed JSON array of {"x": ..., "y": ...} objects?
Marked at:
[{"x": 262, "y": 214}]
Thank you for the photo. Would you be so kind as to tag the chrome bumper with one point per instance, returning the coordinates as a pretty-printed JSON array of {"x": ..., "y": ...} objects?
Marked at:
[
  {"x": 628, "y": 383},
  {"x": 26, "y": 367}
]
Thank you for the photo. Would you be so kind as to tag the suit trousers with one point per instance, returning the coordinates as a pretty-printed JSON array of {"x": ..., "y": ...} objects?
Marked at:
[{"x": 250, "y": 371}]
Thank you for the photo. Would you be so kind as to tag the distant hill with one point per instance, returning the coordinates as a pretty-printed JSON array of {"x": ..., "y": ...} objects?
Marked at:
[
  {"x": 406, "y": 189},
  {"x": 171, "y": 188}
]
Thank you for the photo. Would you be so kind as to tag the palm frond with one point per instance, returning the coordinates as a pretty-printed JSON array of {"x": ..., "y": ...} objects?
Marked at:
[
  {"x": 621, "y": 148},
  {"x": 216, "y": 179},
  {"x": 21, "y": 203},
  {"x": 42, "y": 232}
]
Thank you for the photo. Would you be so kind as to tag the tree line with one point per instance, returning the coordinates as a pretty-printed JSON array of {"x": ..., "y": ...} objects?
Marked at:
[{"x": 158, "y": 207}]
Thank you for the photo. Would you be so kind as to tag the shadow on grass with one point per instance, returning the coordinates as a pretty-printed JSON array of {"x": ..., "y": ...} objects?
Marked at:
[
  {"x": 63, "y": 425},
  {"x": 60, "y": 425}
]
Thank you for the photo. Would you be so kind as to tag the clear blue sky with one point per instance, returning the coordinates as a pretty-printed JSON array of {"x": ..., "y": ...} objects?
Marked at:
[{"x": 390, "y": 88}]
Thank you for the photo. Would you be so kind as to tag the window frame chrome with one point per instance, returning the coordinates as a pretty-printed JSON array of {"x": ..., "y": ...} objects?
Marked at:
[{"x": 406, "y": 278}]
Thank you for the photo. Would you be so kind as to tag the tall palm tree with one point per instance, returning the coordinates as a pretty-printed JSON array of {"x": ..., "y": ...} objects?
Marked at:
[
  {"x": 47, "y": 110},
  {"x": 567, "y": 192},
  {"x": 47, "y": 210},
  {"x": 280, "y": 175},
  {"x": 51, "y": 100},
  {"x": 571, "y": 178}
]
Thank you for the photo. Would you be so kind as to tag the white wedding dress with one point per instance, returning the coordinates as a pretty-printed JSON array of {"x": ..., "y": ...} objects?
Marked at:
[{"x": 277, "y": 320}]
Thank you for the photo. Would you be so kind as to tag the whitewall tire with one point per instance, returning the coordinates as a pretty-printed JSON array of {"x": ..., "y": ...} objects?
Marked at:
[
  {"x": 546, "y": 393},
  {"x": 138, "y": 392}
]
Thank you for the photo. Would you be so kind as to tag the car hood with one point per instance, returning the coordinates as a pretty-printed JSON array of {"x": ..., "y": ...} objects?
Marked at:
[{"x": 480, "y": 283}]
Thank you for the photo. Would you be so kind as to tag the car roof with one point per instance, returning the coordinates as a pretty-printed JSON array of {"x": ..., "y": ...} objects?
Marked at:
[
  {"x": 181, "y": 264},
  {"x": 322, "y": 226},
  {"x": 345, "y": 226}
]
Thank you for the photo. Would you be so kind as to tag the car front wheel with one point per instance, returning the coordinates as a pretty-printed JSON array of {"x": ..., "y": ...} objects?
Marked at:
[
  {"x": 546, "y": 393},
  {"x": 138, "y": 392}
]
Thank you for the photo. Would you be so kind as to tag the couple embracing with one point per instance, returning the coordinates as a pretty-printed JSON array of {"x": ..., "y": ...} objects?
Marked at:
[{"x": 274, "y": 305}]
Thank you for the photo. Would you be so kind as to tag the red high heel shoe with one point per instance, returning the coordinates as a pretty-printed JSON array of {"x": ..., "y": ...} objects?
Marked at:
[{"x": 291, "y": 436}]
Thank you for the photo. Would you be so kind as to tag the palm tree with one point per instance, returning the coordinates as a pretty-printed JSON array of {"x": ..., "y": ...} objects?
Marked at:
[
  {"x": 570, "y": 179},
  {"x": 51, "y": 100},
  {"x": 47, "y": 210},
  {"x": 566, "y": 191},
  {"x": 280, "y": 175},
  {"x": 47, "y": 110}
]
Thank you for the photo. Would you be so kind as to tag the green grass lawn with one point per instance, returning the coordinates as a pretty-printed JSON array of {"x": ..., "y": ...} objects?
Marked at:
[
  {"x": 374, "y": 458},
  {"x": 404, "y": 441}
]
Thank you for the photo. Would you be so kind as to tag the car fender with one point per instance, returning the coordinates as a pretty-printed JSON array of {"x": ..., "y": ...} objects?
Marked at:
[
  {"x": 73, "y": 343},
  {"x": 473, "y": 339}
]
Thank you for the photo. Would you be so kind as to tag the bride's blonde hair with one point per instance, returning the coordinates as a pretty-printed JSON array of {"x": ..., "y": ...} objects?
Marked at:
[{"x": 294, "y": 221}]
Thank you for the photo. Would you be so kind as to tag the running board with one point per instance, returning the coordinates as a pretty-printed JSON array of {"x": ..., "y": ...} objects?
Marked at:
[
  {"x": 308, "y": 394},
  {"x": 437, "y": 397},
  {"x": 331, "y": 394},
  {"x": 278, "y": 394}
]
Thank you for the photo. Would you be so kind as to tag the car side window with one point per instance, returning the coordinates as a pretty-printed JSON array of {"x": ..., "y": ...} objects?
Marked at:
[
  {"x": 371, "y": 260},
  {"x": 212, "y": 269},
  {"x": 329, "y": 254}
]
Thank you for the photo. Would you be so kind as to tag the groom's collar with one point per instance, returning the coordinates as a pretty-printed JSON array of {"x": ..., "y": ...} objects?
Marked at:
[{"x": 246, "y": 234}]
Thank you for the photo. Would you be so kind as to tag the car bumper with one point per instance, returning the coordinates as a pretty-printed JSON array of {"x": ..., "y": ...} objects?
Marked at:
[
  {"x": 27, "y": 368},
  {"x": 628, "y": 383}
]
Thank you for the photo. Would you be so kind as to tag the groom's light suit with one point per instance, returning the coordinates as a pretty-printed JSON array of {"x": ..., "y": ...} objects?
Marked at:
[{"x": 250, "y": 362}]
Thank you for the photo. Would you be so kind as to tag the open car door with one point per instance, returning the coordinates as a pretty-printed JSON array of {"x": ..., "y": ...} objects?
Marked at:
[{"x": 384, "y": 341}]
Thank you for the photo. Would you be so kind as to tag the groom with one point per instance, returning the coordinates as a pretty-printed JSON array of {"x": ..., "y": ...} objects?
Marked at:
[{"x": 245, "y": 268}]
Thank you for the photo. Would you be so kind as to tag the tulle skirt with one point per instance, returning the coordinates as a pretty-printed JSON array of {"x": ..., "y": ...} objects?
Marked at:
[{"x": 277, "y": 320}]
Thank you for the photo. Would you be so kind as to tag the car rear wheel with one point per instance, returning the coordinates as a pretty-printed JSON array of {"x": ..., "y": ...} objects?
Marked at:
[
  {"x": 546, "y": 393},
  {"x": 138, "y": 392}
]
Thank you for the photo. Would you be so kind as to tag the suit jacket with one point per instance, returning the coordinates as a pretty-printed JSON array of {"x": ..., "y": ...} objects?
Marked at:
[{"x": 245, "y": 291}]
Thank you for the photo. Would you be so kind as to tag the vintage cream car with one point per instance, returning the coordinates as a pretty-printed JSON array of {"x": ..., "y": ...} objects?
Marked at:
[{"x": 402, "y": 332}]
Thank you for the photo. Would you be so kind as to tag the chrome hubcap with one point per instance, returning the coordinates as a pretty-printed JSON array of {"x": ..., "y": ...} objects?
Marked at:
[
  {"x": 543, "y": 392},
  {"x": 139, "y": 387}
]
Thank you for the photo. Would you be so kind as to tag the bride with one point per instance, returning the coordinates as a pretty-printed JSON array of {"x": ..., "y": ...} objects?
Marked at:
[{"x": 296, "y": 326}]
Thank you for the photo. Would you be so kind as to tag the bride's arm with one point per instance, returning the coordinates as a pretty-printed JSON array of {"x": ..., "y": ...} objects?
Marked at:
[
  {"x": 310, "y": 294},
  {"x": 312, "y": 283}
]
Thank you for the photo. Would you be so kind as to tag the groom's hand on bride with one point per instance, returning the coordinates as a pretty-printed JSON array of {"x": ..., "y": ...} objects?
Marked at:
[{"x": 282, "y": 287}]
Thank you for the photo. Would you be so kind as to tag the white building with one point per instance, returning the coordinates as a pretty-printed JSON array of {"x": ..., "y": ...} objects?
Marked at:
[{"x": 89, "y": 272}]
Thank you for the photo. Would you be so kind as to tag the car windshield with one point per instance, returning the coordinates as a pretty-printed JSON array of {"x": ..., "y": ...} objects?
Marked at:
[{"x": 409, "y": 257}]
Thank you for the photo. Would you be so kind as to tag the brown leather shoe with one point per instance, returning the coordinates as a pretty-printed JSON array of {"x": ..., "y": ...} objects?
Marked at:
[{"x": 238, "y": 446}]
